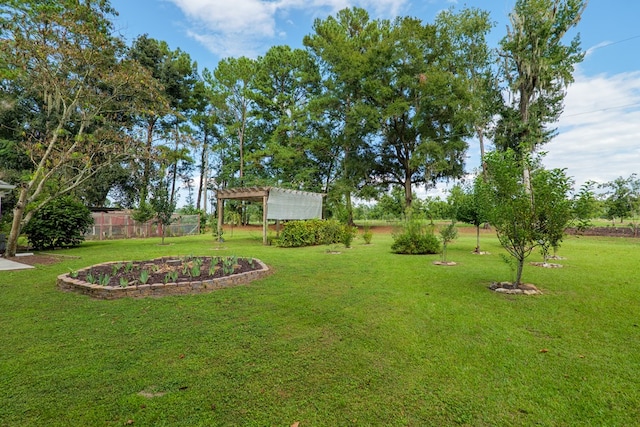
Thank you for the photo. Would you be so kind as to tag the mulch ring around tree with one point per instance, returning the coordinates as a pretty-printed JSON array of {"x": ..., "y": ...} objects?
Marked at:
[
  {"x": 546, "y": 264},
  {"x": 445, "y": 263},
  {"x": 510, "y": 288}
]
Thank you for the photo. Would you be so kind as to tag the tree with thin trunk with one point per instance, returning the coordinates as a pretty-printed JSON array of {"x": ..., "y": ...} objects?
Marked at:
[
  {"x": 232, "y": 84},
  {"x": 164, "y": 117},
  {"x": 525, "y": 218},
  {"x": 470, "y": 205},
  {"x": 537, "y": 66},
  {"x": 163, "y": 207},
  {"x": 62, "y": 60}
]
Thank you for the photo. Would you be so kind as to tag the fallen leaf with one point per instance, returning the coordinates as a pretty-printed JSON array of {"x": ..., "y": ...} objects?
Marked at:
[
  {"x": 544, "y": 350},
  {"x": 182, "y": 356},
  {"x": 129, "y": 422},
  {"x": 296, "y": 424}
]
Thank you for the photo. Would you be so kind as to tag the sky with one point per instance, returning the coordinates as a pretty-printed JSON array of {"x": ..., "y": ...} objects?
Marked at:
[{"x": 598, "y": 133}]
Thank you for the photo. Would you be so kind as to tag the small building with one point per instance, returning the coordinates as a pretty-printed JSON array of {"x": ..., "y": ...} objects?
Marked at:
[{"x": 277, "y": 204}]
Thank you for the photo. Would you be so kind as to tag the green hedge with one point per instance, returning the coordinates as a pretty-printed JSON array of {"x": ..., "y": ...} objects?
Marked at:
[{"x": 311, "y": 232}]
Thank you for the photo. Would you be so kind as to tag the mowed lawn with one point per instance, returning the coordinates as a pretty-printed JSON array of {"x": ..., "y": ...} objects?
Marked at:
[{"x": 363, "y": 337}]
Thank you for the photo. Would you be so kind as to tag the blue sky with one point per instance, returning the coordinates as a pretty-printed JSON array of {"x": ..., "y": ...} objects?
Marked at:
[{"x": 599, "y": 132}]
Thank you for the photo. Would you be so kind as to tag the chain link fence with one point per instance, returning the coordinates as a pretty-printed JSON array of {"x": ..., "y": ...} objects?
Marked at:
[{"x": 120, "y": 225}]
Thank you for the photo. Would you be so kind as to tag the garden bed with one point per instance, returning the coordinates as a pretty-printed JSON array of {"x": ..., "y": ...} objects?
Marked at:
[{"x": 162, "y": 276}]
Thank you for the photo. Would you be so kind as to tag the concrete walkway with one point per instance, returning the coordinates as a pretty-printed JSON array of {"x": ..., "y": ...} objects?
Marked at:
[{"x": 6, "y": 264}]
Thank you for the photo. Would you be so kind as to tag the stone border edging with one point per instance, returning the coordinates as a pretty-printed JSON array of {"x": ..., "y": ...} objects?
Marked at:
[{"x": 69, "y": 284}]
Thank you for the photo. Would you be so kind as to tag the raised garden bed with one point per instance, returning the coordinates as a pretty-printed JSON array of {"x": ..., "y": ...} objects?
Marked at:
[{"x": 162, "y": 276}]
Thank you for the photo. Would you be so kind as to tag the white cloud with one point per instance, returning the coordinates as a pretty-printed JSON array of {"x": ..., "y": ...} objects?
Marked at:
[
  {"x": 592, "y": 49},
  {"x": 248, "y": 27},
  {"x": 599, "y": 131}
]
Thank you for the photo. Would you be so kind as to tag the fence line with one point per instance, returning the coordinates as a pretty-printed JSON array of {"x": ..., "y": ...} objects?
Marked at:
[{"x": 119, "y": 225}]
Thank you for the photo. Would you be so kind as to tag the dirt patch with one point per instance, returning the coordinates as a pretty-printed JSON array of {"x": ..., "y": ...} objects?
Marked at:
[{"x": 36, "y": 259}]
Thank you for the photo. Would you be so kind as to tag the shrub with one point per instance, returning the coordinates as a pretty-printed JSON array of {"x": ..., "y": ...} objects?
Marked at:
[
  {"x": 367, "y": 235},
  {"x": 415, "y": 239},
  {"x": 348, "y": 234},
  {"x": 61, "y": 222},
  {"x": 311, "y": 232}
]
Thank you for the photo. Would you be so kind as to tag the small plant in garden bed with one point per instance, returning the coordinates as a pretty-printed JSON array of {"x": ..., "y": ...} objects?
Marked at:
[{"x": 166, "y": 270}]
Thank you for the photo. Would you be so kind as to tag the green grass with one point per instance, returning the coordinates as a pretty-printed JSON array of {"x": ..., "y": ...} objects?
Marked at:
[{"x": 361, "y": 338}]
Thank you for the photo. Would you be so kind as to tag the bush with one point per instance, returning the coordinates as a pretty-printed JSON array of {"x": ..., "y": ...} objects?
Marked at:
[
  {"x": 415, "y": 239},
  {"x": 349, "y": 233},
  {"x": 367, "y": 235},
  {"x": 61, "y": 222},
  {"x": 311, "y": 232}
]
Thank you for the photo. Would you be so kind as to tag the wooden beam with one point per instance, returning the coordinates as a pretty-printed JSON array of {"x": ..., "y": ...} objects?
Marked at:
[
  {"x": 265, "y": 224},
  {"x": 250, "y": 194},
  {"x": 220, "y": 213}
]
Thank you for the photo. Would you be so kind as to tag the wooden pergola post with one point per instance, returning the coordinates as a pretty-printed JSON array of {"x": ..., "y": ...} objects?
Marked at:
[
  {"x": 265, "y": 224},
  {"x": 220, "y": 216},
  {"x": 251, "y": 194}
]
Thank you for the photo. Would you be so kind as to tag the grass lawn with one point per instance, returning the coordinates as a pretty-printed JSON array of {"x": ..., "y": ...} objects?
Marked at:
[{"x": 364, "y": 337}]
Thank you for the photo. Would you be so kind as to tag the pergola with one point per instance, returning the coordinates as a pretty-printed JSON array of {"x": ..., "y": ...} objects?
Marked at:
[{"x": 277, "y": 203}]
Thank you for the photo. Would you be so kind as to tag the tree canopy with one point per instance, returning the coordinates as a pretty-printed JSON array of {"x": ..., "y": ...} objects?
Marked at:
[{"x": 73, "y": 94}]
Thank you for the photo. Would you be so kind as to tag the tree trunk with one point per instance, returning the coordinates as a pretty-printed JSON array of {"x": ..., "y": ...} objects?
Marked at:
[
  {"x": 519, "y": 271},
  {"x": 478, "y": 238},
  {"x": 408, "y": 195},
  {"x": 175, "y": 167},
  {"x": 146, "y": 172},
  {"x": 349, "y": 207},
  {"x": 203, "y": 173},
  {"x": 16, "y": 225},
  {"x": 480, "y": 133}
]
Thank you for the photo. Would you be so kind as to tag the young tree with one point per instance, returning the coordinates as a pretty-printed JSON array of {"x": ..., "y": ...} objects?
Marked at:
[
  {"x": 537, "y": 67},
  {"x": 471, "y": 205},
  {"x": 64, "y": 64},
  {"x": 525, "y": 219},
  {"x": 163, "y": 207},
  {"x": 553, "y": 207},
  {"x": 585, "y": 206},
  {"x": 448, "y": 234}
]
